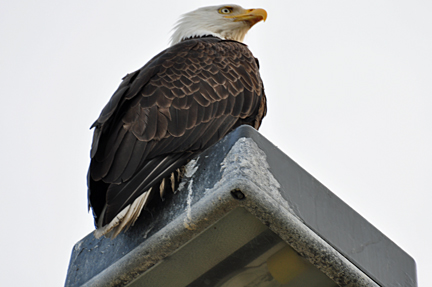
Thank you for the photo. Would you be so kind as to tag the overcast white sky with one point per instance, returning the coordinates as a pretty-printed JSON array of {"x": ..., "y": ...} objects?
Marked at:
[{"x": 349, "y": 89}]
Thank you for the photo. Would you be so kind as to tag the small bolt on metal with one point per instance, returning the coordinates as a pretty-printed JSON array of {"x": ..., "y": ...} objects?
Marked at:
[{"x": 237, "y": 194}]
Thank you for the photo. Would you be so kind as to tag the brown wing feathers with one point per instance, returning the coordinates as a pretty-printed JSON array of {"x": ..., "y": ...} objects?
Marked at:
[{"x": 181, "y": 102}]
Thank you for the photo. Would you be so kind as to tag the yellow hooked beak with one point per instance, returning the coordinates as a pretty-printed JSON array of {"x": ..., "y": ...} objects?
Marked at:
[{"x": 252, "y": 16}]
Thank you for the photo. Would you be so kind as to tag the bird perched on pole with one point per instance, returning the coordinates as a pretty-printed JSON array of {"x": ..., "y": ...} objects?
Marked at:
[{"x": 181, "y": 102}]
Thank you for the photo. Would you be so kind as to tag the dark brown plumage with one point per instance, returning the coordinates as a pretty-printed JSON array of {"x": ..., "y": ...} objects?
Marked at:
[{"x": 181, "y": 102}]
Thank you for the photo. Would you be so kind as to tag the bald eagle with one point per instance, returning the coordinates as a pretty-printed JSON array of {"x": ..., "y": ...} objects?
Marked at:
[{"x": 181, "y": 102}]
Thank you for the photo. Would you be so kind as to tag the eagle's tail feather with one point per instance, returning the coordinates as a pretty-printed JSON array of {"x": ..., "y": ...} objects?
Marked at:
[{"x": 125, "y": 218}]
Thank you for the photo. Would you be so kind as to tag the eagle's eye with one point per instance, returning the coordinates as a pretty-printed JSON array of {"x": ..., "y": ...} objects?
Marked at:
[{"x": 225, "y": 10}]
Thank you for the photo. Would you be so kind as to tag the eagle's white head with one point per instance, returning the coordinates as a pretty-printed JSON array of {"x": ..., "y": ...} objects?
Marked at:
[{"x": 229, "y": 22}]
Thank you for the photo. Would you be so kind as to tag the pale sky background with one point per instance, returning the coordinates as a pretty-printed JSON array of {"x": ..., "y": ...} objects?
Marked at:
[{"x": 349, "y": 89}]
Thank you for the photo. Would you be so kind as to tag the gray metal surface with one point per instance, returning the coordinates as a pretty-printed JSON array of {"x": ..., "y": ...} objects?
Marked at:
[{"x": 278, "y": 192}]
